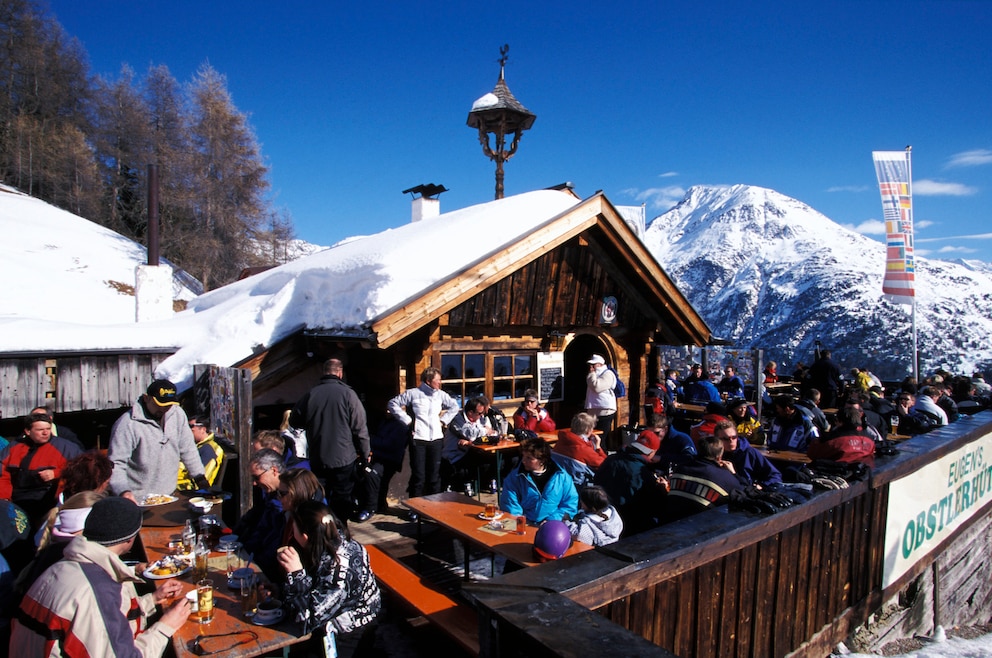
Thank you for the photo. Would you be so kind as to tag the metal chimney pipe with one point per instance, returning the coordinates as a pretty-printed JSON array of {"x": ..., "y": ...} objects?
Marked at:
[{"x": 153, "y": 214}]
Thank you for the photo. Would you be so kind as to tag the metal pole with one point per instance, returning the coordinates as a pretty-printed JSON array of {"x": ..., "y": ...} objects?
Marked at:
[
  {"x": 916, "y": 354},
  {"x": 153, "y": 214}
]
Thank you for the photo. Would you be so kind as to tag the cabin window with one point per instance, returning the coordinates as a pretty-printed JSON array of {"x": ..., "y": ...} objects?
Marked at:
[{"x": 498, "y": 376}]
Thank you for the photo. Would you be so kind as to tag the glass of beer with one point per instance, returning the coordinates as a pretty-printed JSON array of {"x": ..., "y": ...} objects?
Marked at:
[
  {"x": 205, "y": 601},
  {"x": 521, "y": 525},
  {"x": 490, "y": 510}
]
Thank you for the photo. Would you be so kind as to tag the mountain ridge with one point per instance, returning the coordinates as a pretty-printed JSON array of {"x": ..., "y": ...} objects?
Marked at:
[{"x": 768, "y": 271}]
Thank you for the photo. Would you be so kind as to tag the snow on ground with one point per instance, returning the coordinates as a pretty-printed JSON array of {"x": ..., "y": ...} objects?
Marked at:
[
  {"x": 940, "y": 647},
  {"x": 61, "y": 267}
]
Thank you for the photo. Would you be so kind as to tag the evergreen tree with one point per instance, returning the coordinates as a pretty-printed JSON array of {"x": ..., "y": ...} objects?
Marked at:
[
  {"x": 123, "y": 140},
  {"x": 173, "y": 152},
  {"x": 85, "y": 145},
  {"x": 44, "y": 119},
  {"x": 229, "y": 204}
]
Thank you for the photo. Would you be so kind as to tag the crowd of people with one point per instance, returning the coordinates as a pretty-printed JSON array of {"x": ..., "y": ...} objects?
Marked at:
[{"x": 68, "y": 515}]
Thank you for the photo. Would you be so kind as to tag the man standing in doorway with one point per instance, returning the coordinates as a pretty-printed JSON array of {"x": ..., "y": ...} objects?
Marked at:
[
  {"x": 601, "y": 401},
  {"x": 338, "y": 436}
]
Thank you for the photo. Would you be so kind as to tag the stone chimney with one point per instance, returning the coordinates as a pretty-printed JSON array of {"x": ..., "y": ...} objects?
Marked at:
[{"x": 425, "y": 201}]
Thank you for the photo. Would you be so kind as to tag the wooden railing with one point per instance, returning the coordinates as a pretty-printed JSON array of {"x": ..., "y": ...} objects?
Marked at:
[{"x": 722, "y": 583}]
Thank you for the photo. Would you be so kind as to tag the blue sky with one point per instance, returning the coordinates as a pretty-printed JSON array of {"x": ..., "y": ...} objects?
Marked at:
[{"x": 354, "y": 102}]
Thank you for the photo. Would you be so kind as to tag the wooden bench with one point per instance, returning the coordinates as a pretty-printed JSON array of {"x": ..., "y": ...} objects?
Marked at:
[{"x": 457, "y": 620}]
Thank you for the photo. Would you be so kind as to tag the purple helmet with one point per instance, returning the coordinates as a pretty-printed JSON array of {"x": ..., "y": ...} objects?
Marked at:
[{"x": 552, "y": 540}]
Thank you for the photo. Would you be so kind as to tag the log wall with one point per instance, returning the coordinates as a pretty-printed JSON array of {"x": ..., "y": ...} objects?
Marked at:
[{"x": 75, "y": 383}]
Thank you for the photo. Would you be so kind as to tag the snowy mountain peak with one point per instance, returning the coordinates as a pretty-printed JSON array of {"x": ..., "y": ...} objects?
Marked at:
[{"x": 768, "y": 271}]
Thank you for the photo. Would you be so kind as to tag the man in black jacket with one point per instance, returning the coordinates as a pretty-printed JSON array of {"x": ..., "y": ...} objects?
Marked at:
[
  {"x": 338, "y": 434},
  {"x": 825, "y": 376}
]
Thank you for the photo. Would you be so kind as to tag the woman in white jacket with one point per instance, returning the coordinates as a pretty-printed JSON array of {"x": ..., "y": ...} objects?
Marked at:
[{"x": 431, "y": 409}]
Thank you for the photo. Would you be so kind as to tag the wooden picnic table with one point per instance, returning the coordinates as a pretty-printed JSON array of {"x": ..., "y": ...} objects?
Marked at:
[
  {"x": 689, "y": 408},
  {"x": 789, "y": 456},
  {"x": 460, "y": 514},
  {"x": 503, "y": 445},
  {"x": 227, "y": 619}
]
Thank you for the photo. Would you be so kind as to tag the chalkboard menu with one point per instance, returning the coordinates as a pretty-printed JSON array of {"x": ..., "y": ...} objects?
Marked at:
[{"x": 551, "y": 376}]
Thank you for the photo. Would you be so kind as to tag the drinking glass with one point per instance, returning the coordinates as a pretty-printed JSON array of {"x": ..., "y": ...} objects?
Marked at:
[
  {"x": 205, "y": 600},
  {"x": 232, "y": 553},
  {"x": 249, "y": 596}
]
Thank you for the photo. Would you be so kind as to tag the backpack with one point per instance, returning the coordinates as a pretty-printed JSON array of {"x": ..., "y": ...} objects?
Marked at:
[
  {"x": 620, "y": 390},
  {"x": 653, "y": 400}
]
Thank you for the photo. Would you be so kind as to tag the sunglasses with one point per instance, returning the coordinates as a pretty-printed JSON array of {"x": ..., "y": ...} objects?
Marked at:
[
  {"x": 282, "y": 492},
  {"x": 257, "y": 477}
]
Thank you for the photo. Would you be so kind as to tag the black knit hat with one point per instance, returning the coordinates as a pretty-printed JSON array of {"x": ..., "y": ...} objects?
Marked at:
[{"x": 112, "y": 521}]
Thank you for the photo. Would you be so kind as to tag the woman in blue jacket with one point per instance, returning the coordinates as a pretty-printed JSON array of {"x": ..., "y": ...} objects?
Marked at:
[{"x": 538, "y": 488}]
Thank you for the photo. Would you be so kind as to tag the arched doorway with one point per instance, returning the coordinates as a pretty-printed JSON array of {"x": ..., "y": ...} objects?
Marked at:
[{"x": 577, "y": 352}]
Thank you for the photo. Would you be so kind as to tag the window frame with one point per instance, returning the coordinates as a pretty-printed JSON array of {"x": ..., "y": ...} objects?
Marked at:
[{"x": 518, "y": 382}]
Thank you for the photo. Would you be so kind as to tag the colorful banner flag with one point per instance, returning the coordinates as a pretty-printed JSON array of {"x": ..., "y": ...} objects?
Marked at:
[{"x": 894, "y": 172}]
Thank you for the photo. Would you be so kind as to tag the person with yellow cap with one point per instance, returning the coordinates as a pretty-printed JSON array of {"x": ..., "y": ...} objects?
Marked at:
[{"x": 148, "y": 442}]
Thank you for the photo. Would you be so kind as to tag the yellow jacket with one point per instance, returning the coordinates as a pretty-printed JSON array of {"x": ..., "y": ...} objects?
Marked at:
[{"x": 212, "y": 455}]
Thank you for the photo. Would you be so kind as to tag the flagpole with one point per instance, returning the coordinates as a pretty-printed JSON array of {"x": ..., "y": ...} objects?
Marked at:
[{"x": 916, "y": 355}]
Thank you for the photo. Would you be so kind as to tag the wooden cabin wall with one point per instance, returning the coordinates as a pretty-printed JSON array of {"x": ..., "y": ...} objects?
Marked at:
[
  {"x": 74, "y": 383},
  {"x": 563, "y": 288}
]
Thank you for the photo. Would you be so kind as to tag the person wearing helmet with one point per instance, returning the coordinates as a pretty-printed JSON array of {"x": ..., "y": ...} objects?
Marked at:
[{"x": 552, "y": 540}]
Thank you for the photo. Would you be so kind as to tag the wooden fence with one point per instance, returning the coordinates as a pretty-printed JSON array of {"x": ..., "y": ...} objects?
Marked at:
[{"x": 730, "y": 584}]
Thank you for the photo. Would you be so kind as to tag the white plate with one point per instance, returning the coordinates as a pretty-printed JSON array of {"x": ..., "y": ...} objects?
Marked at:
[
  {"x": 482, "y": 515},
  {"x": 153, "y": 576},
  {"x": 164, "y": 499},
  {"x": 274, "y": 619}
]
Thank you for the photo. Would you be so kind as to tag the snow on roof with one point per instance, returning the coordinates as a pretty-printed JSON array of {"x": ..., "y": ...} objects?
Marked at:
[
  {"x": 341, "y": 289},
  {"x": 484, "y": 101}
]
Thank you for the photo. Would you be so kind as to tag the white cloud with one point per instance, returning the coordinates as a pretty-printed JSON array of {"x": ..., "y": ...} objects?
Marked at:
[
  {"x": 868, "y": 227},
  {"x": 668, "y": 174},
  {"x": 976, "y": 236},
  {"x": 928, "y": 187},
  {"x": 850, "y": 188},
  {"x": 956, "y": 250},
  {"x": 974, "y": 158},
  {"x": 877, "y": 227},
  {"x": 661, "y": 198}
]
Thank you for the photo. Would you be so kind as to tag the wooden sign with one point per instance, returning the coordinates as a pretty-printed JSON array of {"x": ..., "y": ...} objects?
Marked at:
[{"x": 551, "y": 376}]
